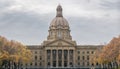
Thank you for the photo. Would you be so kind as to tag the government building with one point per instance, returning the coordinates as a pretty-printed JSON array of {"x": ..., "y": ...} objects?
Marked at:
[{"x": 59, "y": 51}]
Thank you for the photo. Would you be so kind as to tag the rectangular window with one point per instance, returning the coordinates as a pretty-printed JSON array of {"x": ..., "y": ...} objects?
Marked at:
[
  {"x": 92, "y": 52},
  {"x": 31, "y": 64},
  {"x": 54, "y": 63},
  {"x": 40, "y": 58},
  {"x": 54, "y": 53},
  {"x": 87, "y": 57},
  {"x": 40, "y": 63},
  {"x": 59, "y": 54},
  {"x": 65, "y": 63},
  {"x": 35, "y": 63},
  {"x": 83, "y": 57},
  {"x": 59, "y": 63},
  {"x": 87, "y": 52},
  {"x": 78, "y": 57},
  {"x": 78, "y": 52},
  {"x": 83, "y": 64},
  {"x": 26, "y": 64},
  {"x": 71, "y": 64},
  {"x": 48, "y": 63},
  {"x": 87, "y": 63},
  {"x": 35, "y": 57},
  {"x": 83, "y": 52},
  {"x": 71, "y": 54},
  {"x": 48, "y": 55},
  {"x": 65, "y": 54},
  {"x": 35, "y": 52}
]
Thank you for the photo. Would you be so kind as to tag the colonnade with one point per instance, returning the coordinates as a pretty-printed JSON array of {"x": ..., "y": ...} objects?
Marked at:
[{"x": 60, "y": 58}]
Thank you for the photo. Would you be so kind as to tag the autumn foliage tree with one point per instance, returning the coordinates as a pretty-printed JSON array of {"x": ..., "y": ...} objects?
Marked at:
[
  {"x": 109, "y": 55},
  {"x": 13, "y": 53}
]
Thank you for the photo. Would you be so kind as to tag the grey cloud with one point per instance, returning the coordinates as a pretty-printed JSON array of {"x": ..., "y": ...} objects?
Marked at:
[
  {"x": 88, "y": 31},
  {"x": 31, "y": 28},
  {"x": 25, "y": 26},
  {"x": 99, "y": 4},
  {"x": 4, "y": 4},
  {"x": 26, "y": 18},
  {"x": 113, "y": 5}
]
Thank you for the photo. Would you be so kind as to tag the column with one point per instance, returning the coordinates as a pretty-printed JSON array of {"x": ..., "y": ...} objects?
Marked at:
[
  {"x": 51, "y": 63},
  {"x": 62, "y": 58},
  {"x": 56, "y": 58},
  {"x": 68, "y": 59},
  {"x": 74, "y": 58},
  {"x": 45, "y": 54}
]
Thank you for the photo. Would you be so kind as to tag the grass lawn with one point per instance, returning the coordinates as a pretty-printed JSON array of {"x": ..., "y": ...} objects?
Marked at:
[{"x": 118, "y": 67}]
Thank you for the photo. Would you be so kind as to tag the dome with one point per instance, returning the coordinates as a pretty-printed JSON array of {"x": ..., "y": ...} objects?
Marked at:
[
  {"x": 59, "y": 20},
  {"x": 59, "y": 27}
]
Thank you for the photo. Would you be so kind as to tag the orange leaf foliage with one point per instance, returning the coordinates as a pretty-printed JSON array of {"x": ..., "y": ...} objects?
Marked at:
[
  {"x": 110, "y": 52},
  {"x": 14, "y": 51}
]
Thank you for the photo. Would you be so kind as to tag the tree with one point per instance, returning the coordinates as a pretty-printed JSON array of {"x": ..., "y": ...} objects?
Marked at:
[
  {"x": 13, "y": 53},
  {"x": 109, "y": 55}
]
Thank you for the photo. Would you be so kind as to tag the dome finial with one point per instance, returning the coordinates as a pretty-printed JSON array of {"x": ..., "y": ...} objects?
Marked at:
[{"x": 59, "y": 11}]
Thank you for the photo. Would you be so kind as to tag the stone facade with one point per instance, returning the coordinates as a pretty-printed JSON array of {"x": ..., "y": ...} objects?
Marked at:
[{"x": 59, "y": 50}]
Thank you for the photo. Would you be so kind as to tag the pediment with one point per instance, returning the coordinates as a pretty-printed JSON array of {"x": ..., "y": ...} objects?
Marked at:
[{"x": 61, "y": 42}]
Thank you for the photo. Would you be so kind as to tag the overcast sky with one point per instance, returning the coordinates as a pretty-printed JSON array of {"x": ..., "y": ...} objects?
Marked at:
[{"x": 91, "y": 21}]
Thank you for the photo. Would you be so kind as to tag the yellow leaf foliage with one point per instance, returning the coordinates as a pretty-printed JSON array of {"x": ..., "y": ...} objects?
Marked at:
[
  {"x": 110, "y": 52},
  {"x": 14, "y": 51}
]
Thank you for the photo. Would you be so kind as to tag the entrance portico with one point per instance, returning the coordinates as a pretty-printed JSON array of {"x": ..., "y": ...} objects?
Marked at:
[{"x": 60, "y": 57}]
